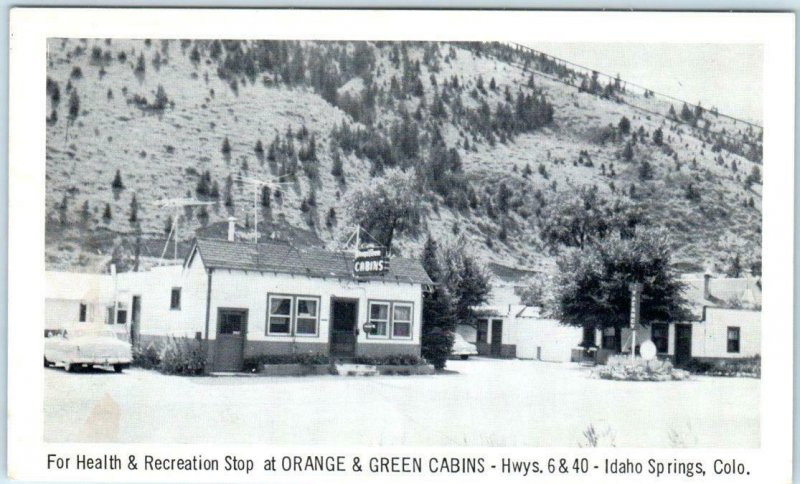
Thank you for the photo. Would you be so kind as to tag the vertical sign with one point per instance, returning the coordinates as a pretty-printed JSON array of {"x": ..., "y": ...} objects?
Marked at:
[{"x": 636, "y": 297}]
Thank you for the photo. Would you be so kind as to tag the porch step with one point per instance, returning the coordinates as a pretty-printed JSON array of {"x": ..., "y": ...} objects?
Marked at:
[{"x": 350, "y": 369}]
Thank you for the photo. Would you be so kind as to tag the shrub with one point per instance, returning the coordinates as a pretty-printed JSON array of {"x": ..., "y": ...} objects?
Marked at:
[
  {"x": 398, "y": 359},
  {"x": 747, "y": 367},
  {"x": 146, "y": 356},
  {"x": 253, "y": 363},
  {"x": 622, "y": 368},
  {"x": 182, "y": 356},
  {"x": 436, "y": 346}
]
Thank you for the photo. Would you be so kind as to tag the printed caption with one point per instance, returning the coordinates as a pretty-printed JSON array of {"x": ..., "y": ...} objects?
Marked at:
[{"x": 302, "y": 464}]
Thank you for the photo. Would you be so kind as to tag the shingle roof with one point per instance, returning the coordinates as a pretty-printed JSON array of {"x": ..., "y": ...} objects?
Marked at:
[
  {"x": 285, "y": 258},
  {"x": 743, "y": 292}
]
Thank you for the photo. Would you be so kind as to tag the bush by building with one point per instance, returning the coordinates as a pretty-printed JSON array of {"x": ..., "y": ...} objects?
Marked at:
[{"x": 623, "y": 368}]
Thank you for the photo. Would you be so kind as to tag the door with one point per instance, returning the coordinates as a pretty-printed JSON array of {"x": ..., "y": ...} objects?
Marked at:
[
  {"x": 136, "y": 314},
  {"x": 683, "y": 344},
  {"x": 344, "y": 327},
  {"x": 231, "y": 335},
  {"x": 497, "y": 336}
]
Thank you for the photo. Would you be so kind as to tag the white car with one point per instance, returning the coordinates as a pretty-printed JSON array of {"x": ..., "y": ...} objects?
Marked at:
[
  {"x": 462, "y": 347},
  {"x": 78, "y": 348}
]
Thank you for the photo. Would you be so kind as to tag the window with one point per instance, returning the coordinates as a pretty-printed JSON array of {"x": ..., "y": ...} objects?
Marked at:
[
  {"x": 379, "y": 316},
  {"x": 307, "y": 316},
  {"x": 401, "y": 320},
  {"x": 660, "y": 337},
  {"x": 232, "y": 321},
  {"x": 280, "y": 315},
  {"x": 175, "y": 299},
  {"x": 292, "y": 315},
  {"x": 482, "y": 335},
  {"x": 122, "y": 316},
  {"x": 609, "y": 339},
  {"x": 82, "y": 313},
  {"x": 733, "y": 339}
]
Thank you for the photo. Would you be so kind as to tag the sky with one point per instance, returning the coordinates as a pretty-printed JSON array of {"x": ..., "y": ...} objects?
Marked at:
[{"x": 728, "y": 76}]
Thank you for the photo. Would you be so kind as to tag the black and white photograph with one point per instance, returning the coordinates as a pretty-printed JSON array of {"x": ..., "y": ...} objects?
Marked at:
[{"x": 404, "y": 243}]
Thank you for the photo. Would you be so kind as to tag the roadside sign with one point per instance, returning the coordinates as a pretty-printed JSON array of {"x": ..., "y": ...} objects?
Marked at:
[
  {"x": 636, "y": 291},
  {"x": 368, "y": 327},
  {"x": 370, "y": 260},
  {"x": 647, "y": 350}
]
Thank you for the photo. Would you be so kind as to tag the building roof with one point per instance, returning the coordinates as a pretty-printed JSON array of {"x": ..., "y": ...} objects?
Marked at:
[
  {"x": 509, "y": 274},
  {"x": 275, "y": 256},
  {"x": 730, "y": 292}
]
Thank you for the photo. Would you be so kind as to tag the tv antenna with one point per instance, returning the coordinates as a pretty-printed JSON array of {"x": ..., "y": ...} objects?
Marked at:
[
  {"x": 257, "y": 187},
  {"x": 177, "y": 204}
]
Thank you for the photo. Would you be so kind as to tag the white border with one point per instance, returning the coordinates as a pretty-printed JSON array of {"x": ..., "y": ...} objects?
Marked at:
[{"x": 31, "y": 27}]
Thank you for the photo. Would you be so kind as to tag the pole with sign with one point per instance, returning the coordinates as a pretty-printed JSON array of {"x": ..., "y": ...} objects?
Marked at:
[{"x": 636, "y": 293}]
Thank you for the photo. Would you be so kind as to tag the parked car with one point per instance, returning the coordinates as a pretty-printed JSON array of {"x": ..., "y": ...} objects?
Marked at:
[
  {"x": 77, "y": 348},
  {"x": 462, "y": 347}
]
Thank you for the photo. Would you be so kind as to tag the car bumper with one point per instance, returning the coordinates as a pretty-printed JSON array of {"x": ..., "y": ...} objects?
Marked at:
[
  {"x": 100, "y": 361},
  {"x": 464, "y": 353}
]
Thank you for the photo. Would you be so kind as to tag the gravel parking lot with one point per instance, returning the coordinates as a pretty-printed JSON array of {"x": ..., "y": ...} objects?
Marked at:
[{"x": 480, "y": 402}]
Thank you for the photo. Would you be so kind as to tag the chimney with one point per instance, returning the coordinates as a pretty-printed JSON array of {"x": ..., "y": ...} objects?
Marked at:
[
  {"x": 706, "y": 281},
  {"x": 231, "y": 229}
]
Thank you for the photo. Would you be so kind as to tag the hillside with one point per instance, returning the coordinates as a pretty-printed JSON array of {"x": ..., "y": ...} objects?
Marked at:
[{"x": 500, "y": 139}]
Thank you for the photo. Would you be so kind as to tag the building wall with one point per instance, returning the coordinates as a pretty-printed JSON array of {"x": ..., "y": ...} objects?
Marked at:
[
  {"x": 65, "y": 313},
  {"x": 66, "y": 291},
  {"x": 154, "y": 287},
  {"x": 545, "y": 339},
  {"x": 710, "y": 337},
  {"x": 249, "y": 290}
]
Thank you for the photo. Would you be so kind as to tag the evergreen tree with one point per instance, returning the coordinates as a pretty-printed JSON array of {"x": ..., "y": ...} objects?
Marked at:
[
  {"x": 658, "y": 137},
  {"x": 226, "y": 147},
  {"x": 107, "y": 213},
  {"x": 74, "y": 105},
  {"x": 625, "y": 125},
  {"x": 117, "y": 183},
  {"x": 134, "y": 213}
]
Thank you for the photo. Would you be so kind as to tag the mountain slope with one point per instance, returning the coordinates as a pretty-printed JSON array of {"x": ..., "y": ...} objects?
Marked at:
[{"x": 509, "y": 162}]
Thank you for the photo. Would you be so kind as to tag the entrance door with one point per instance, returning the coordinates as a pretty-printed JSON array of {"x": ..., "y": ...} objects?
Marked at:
[
  {"x": 497, "y": 336},
  {"x": 136, "y": 314},
  {"x": 344, "y": 327},
  {"x": 683, "y": 344},
  {"x": 231, "y": 335}
]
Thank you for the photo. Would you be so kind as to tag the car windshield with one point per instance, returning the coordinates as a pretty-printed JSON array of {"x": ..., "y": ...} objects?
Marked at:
[{"x": 90, "y": 333}]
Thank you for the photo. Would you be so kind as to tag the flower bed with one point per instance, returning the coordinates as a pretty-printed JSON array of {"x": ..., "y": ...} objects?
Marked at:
[
  {"x": 745, "y": 367},
  {"x": 622, "y": 368}
]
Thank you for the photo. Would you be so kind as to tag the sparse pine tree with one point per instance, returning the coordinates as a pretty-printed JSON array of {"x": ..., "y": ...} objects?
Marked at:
[
  {"x": 117, "y": 183},
  {"x": 658, "y": 137},
  {"x": 337, "y": 168},
  {"x": 74, "y": 105},
  {"x": 226, "y": 146},
  {"x": 107, "y": 213},
  {"x": 140, "y": 64},
  {"x": 168, "y": 225},
  {"x": 625, "y": 125},
  {"x": 134, "y": 213},
  {"x": 627, "y": 152},
  {"x": 85, "y": 211},
  {"x": 265, "y": 196}
]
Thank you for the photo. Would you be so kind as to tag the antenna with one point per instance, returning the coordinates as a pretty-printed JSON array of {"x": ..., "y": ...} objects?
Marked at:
[
  {"x": 177, "y": 204},
  {"x": 257, "y": 185}
]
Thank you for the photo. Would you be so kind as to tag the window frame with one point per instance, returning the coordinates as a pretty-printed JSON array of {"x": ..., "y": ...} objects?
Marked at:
[
  {"x": 410, "y": 322},
  {"x": 318, "y": 301},
  {"x": 293, "y": 314},
  {"x": 390, "y": 319},
  {"x": 604, "y": 338},
  {"x": 388, "y": 304},
  {"x": 172, "y": 305},
  {"x": 737, "y": 340},
  {"x": 665, "y": 338}
]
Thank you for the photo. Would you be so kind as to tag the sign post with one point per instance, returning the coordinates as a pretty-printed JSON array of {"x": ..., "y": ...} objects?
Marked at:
[{"x": 636, "y": 292}]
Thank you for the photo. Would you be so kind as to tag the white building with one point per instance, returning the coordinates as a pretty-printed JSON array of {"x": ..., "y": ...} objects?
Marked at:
[
  {"x": 507, "y": 328},
  {"x": 76, "y": 299},
  {"x": 241, "y": 299},
  {"x": 725, "y": 324}
]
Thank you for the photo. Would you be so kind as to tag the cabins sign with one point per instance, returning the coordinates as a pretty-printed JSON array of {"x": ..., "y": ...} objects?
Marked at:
[{"x": 370, "y": 260}]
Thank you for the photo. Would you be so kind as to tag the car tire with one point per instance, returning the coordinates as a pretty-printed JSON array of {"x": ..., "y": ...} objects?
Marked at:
[
  {"x": 69, "y": 368},
  {"x": 47, "y": 364},
  {"x": 464, "y": 357},
  {"x": 118, "y": 368}
]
